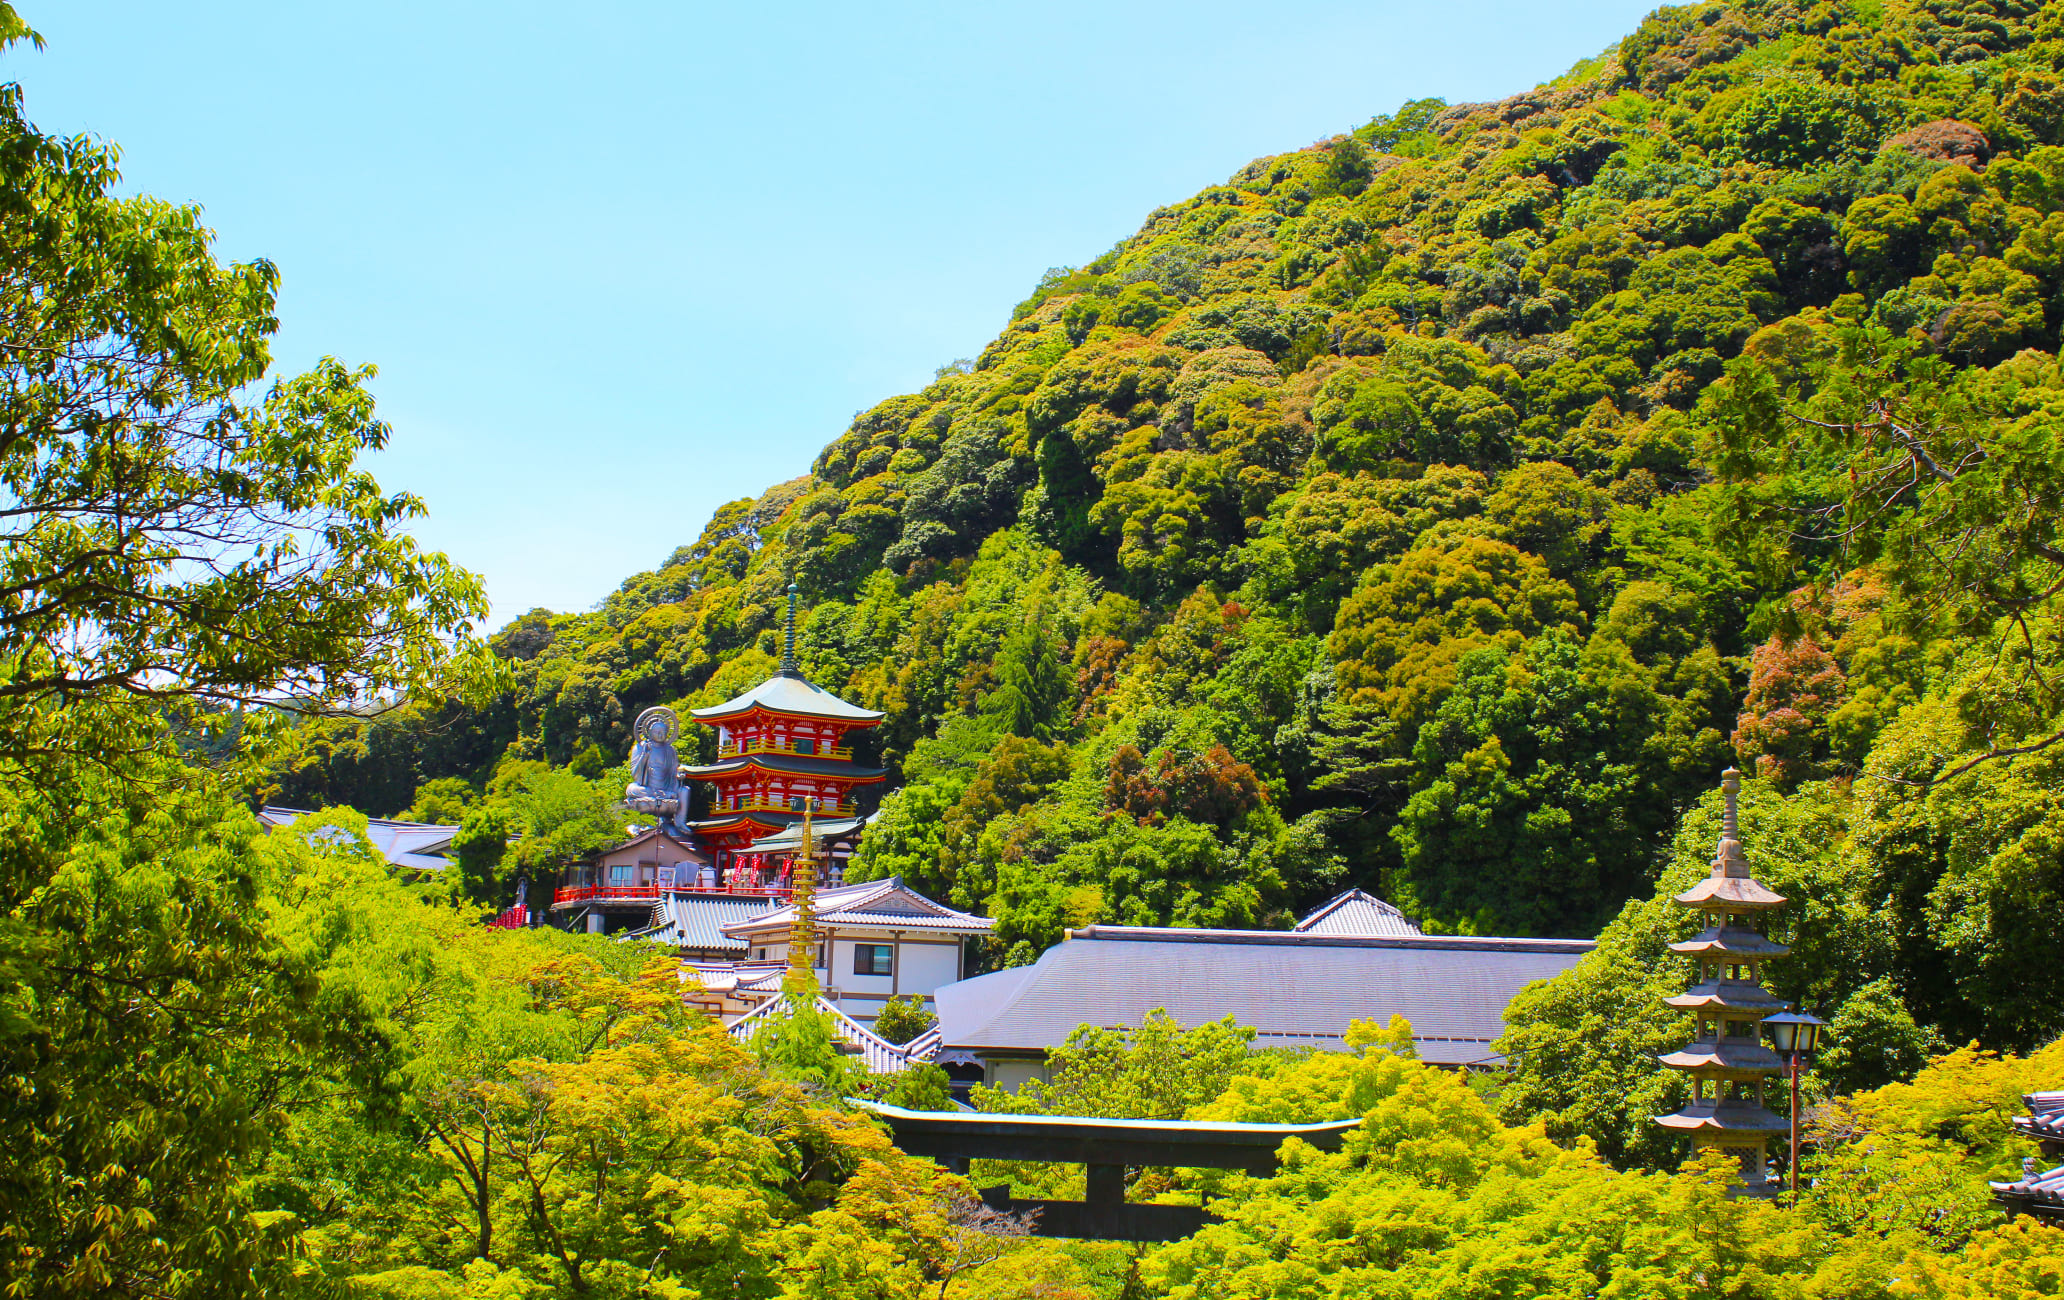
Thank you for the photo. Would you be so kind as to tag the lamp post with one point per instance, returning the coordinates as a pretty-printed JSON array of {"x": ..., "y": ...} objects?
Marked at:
[{"x": 1794, "y": 1035}]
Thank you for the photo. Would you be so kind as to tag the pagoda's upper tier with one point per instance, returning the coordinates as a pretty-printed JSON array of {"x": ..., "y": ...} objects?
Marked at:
[
  {"x": 792, "y": 694},
  {"x": 786, "y": 765}
]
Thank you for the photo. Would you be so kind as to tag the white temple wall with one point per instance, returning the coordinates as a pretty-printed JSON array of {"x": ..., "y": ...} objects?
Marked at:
[
  {"x": 1013, "y": 1074},
  {"x": 921, "y": 966}
]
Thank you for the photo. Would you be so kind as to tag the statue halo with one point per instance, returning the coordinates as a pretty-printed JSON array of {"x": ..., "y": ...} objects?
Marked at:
[{"x": 664, "y": 714}]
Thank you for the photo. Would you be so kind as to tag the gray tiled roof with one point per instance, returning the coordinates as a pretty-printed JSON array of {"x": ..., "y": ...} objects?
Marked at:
[
  {"x": 2037, "y": 1191},
  {"x": 2045, "y": 1117},
  {"x": 1292, "y": 988},
  {"x": 792, "y": 838},
  {"x": 1355, "y": 912},
  {"x": 698, "y": 921},
  {"x": 788, "y": 693}
]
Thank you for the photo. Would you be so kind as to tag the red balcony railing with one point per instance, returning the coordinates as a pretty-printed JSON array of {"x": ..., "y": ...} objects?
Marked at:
[
  {"x": 735, "y": 748},
  {"x": 605, "y": 894},
  {"x": 651, "y": 893},
  {"x": 756, "y": 803}
]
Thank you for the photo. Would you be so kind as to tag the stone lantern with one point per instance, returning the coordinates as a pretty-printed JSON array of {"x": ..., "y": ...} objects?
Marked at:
[{"x": 1727, "y": 1060}]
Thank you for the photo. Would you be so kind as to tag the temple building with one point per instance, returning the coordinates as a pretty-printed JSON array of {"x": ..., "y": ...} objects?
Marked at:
[
  {"x": 1356, "y": 958},
  {"x": 618, "y": 887},
  {"x": 2038, "y": 1193},
  {"x": 875, "y": 940},
  {"x": 1727, "y": 1060},
  {"x": 780, "y": 749}
]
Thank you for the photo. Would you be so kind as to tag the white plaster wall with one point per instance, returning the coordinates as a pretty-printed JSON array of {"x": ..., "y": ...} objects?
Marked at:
[
  {"x": 1013, "y": 1075},
  {"x": 925, "y": 967},
  {"x": 921, "y": 968}
]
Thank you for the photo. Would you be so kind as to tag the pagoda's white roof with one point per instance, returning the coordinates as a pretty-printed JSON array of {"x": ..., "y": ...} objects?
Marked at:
[{"x": 787, "y": 692}]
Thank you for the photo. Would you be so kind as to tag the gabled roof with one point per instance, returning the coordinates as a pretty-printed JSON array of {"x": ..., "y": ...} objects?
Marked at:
[
  {"x": 651, "y": 833},
  {"x": 417, "y": 845},
  {"x": 871, "y": 905},
  {"x": 790, "y": 693},
  {"x": 1292, "y": 988},
  {"x": 698, "y": 921},
  {"x": 737, "y": 978},
  {"x": 786, "y": 841},
  {"x": 1355, "y": 912}
]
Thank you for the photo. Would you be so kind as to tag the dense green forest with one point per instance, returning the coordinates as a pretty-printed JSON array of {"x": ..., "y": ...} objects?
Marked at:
[{"x": 1438, "y": 508}]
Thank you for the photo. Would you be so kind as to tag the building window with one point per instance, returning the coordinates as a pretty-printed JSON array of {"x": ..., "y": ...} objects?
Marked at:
[
  {"x": 873, "y": 959},
  {"x": 620, "y": 875}
]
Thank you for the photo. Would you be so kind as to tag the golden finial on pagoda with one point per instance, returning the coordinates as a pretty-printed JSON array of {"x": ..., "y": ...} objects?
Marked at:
[{"x": 802, "y": 929}]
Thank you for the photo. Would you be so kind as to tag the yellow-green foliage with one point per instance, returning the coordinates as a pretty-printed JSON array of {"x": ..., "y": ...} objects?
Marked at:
[{"x": 1433, "y": 1196}]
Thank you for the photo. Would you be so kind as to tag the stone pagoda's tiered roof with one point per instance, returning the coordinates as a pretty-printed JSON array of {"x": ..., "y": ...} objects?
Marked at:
[{"x": 1727, "y": 1060}]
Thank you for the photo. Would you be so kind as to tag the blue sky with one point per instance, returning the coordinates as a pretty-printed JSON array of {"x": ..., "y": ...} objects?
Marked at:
[{"x": 622, "y": 262}]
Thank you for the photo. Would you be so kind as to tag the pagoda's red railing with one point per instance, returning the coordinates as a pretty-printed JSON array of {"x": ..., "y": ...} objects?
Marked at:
[
  {"x": 514, "y": 918},
  {"x": 735, "y": 748},
  {"x": 755, "y": 803}
]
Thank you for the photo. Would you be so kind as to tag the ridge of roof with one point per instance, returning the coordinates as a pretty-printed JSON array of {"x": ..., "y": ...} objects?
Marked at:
[
  {"x": 1393, "y": 919},
  {"x": 651, "y": 832},
  {"x": 1453, "y": 993},
  {"x": 852, "y": 899},
  {"x": 1295, "y": 938}
]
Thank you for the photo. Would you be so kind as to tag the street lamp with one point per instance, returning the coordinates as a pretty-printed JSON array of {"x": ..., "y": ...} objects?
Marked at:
[{"x": 1794, "y": 1035}]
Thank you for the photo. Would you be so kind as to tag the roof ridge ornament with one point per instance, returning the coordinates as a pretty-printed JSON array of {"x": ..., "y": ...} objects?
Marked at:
[
  {"x": 788, "y": 656},
  {"x": 802, "y": 931},
  {"x": 1728, "y": 859}
]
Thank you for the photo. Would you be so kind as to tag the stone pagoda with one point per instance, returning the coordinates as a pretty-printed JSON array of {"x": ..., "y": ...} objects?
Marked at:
[
  {"x": 779, "y": 754},
  {"x": 1728, "y": 1062}
]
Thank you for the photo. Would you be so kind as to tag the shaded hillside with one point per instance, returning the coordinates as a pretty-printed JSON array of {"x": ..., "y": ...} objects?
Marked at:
[{"x": 1361, "y": 520}]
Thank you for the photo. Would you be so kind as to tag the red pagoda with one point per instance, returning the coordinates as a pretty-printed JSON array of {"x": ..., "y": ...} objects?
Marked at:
[{"x": 779, "y": 752}]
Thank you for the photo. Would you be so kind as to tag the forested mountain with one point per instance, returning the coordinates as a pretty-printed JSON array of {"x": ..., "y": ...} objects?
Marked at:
[{"x": 1438, "y": 508}]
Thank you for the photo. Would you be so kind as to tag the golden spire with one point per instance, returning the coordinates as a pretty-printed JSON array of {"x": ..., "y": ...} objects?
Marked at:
[{"x": 801, "y": 979}]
